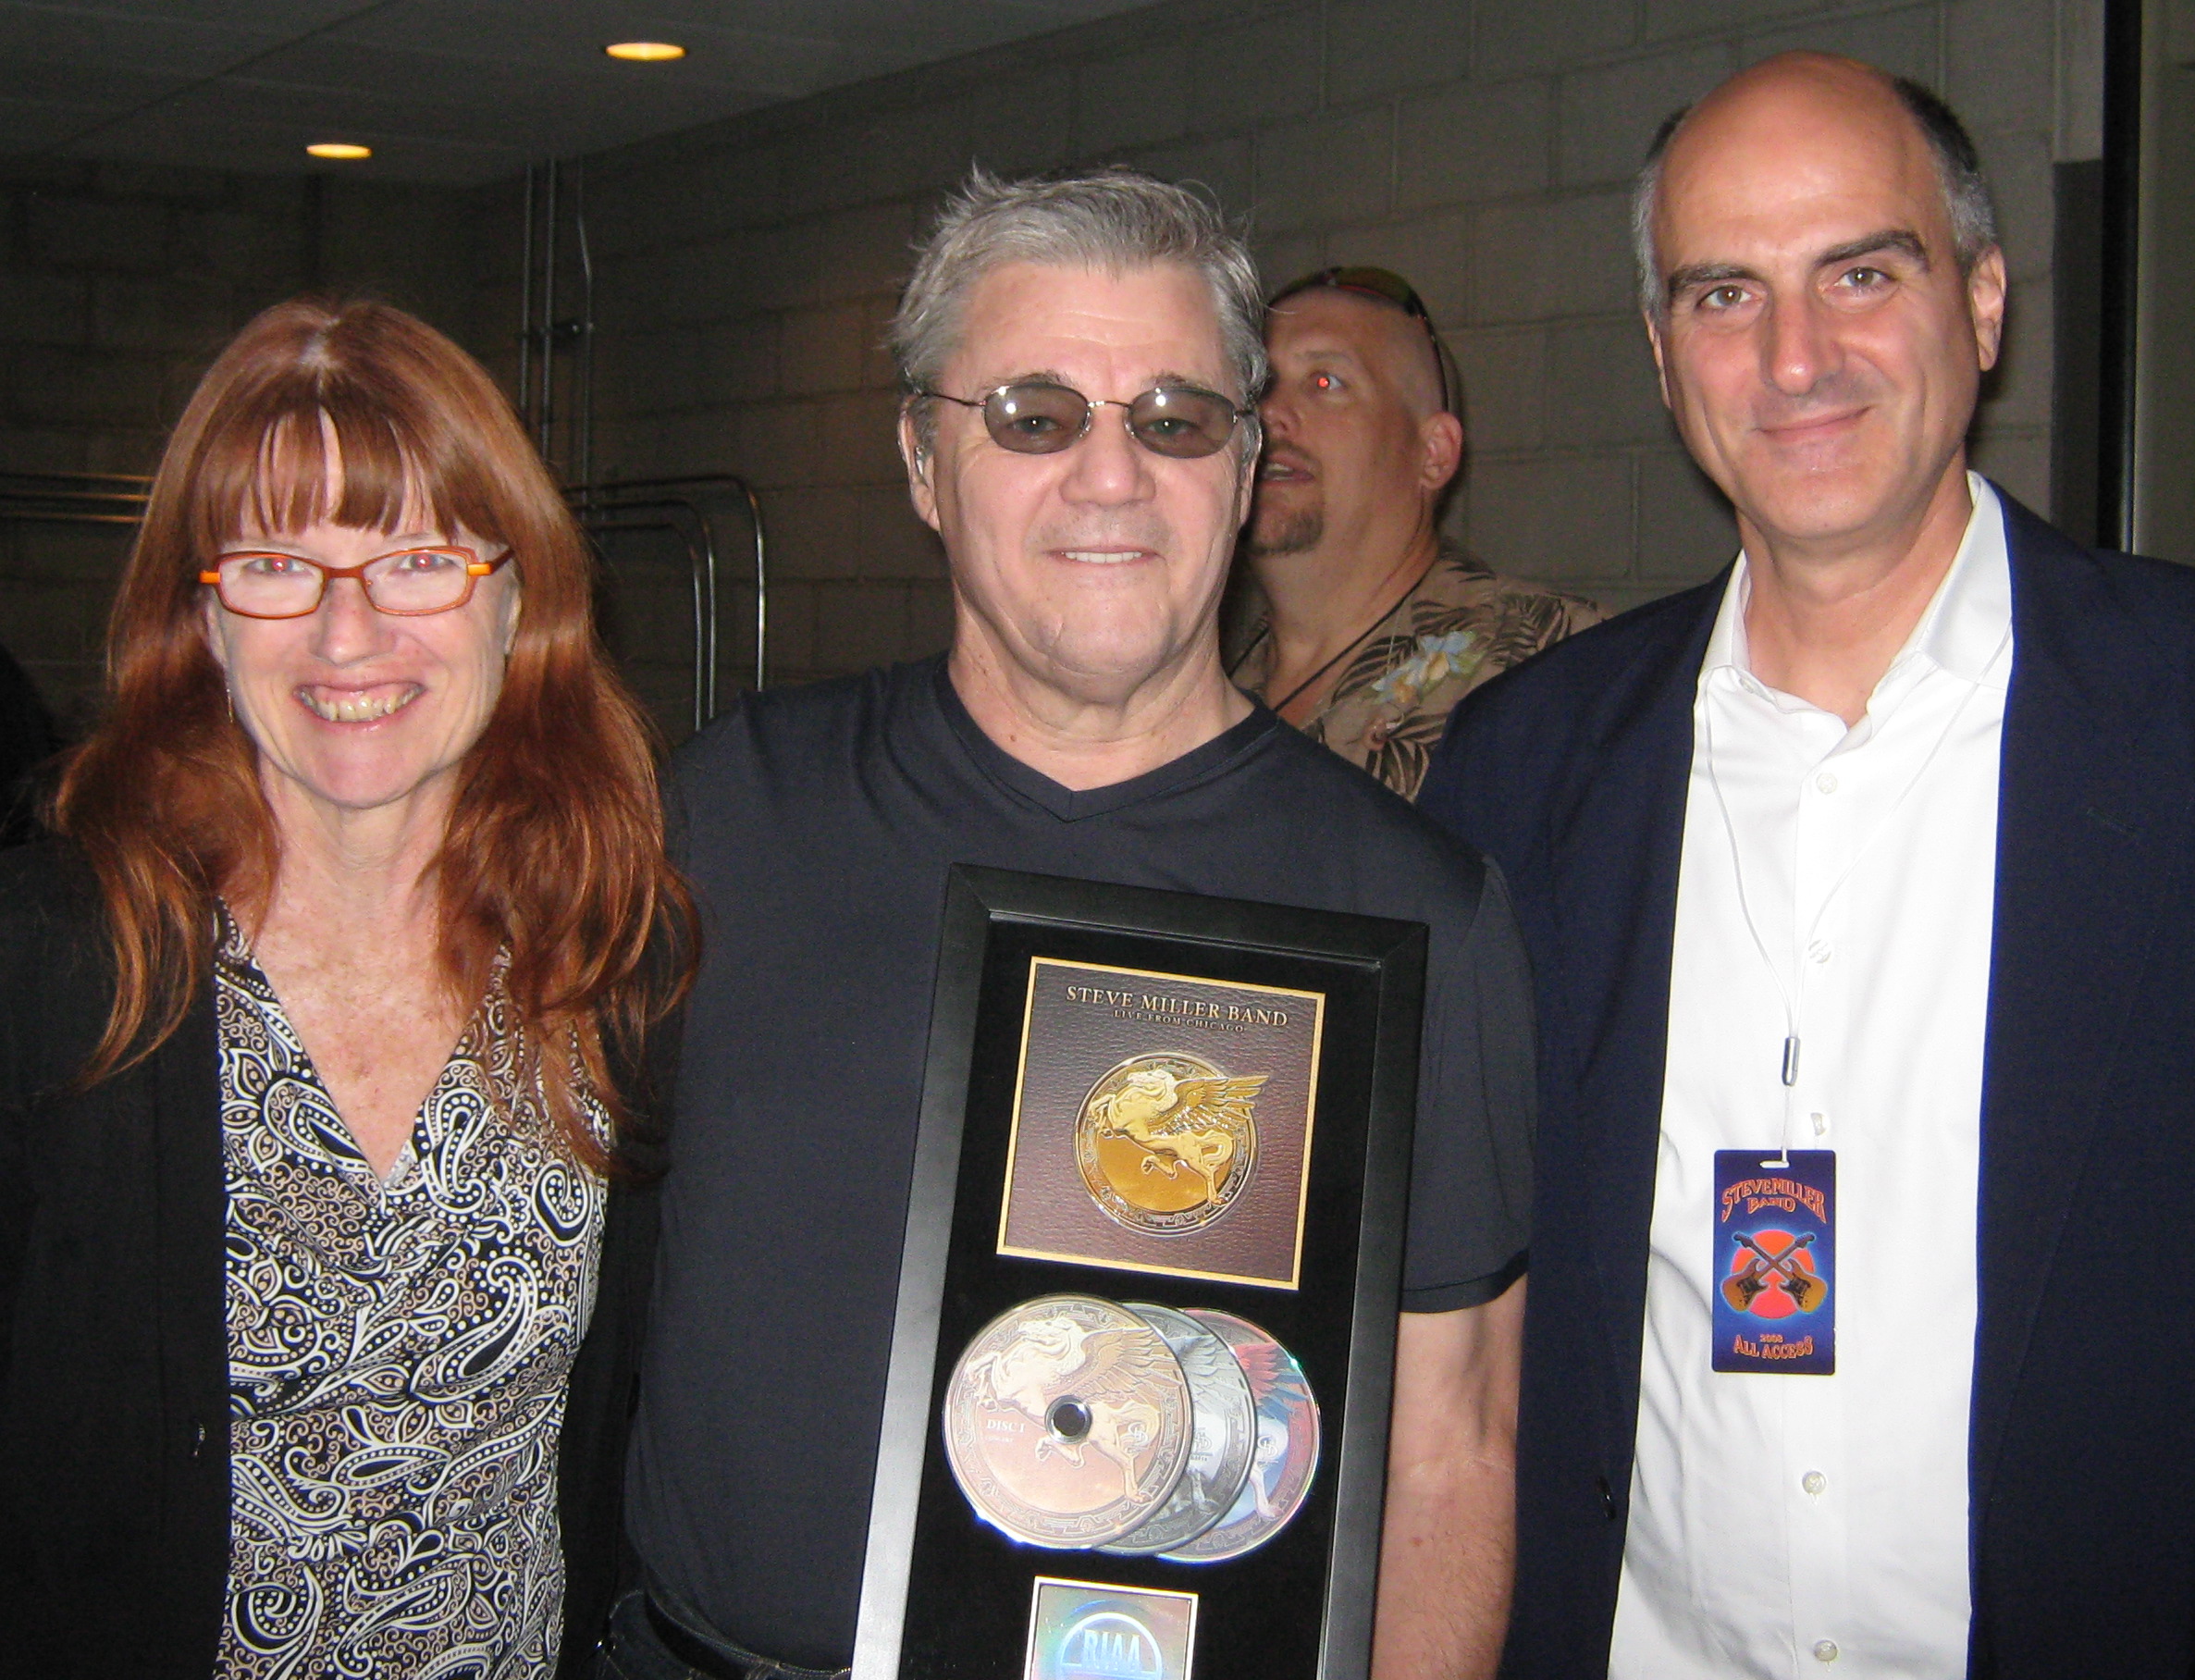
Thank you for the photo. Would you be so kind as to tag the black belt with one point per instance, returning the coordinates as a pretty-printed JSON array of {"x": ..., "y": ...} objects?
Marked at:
[{"x": 706, "y": 1658}]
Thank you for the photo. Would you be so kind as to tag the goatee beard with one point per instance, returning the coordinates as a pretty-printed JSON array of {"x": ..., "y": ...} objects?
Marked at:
[{"x": 1286, "y": 533}]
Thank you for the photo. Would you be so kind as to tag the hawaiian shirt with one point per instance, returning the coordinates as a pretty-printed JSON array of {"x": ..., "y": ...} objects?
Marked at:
[{"x": 1460, "y": 626}]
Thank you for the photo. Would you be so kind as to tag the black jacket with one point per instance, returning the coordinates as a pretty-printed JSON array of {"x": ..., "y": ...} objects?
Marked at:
[
  {"x": 1572, "y": 772},
  {"x": 114, "y": 1371},
  {"x": 26, "y": 739}
]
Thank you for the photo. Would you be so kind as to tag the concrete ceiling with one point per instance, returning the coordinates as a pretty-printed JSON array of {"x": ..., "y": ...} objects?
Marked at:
[{"x": 454, "y": 91}]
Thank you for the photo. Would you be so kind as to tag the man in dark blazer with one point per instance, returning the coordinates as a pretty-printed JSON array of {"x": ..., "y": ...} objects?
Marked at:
[{"x": 1822, "y": 290}]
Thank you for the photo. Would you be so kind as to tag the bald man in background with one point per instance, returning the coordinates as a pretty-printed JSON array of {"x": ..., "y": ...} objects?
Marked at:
[
  {"x": 1365, "y": 626},
  {"x": 1856, "y": 883}
]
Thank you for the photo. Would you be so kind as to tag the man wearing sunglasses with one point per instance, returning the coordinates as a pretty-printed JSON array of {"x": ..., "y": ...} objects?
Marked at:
[
  {"x": 1365, "y": 626},
  {"x": 1081, "y": 358}
]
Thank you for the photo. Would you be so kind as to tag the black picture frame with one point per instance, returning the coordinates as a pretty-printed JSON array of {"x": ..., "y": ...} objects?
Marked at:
[{"x": 941, "y": 1591}]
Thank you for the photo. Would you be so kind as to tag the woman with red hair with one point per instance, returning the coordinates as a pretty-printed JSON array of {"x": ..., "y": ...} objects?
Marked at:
[{"x": 319, "y": 1026}]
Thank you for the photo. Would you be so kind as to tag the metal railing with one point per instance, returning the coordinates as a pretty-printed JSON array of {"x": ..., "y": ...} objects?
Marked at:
[
  {"x": 73, "y": 498},
  {"x": 680, "y": 507}
]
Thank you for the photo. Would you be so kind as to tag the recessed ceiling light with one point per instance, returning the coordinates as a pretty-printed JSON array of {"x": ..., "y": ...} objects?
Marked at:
[
  {"x": 645, "y": 52},
  {"x": 339, "y": 148}
]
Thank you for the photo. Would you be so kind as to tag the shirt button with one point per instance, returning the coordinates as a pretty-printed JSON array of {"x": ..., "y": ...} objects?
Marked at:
[
  {"x": 1825, "y": 1650},
  {"x": 1814, "y": 1481},
  {"x": 1826, "y": 783},
  {"x": 1821, "y": 950}
]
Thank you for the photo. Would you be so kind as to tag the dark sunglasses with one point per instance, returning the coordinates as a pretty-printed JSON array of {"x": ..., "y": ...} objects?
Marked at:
[
  {"x": 1389, "y": 286},
  {"x": 1042, "y": 417}
]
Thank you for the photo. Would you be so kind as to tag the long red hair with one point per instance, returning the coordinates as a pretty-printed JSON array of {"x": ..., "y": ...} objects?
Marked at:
[{"x": 554, "y": 847}]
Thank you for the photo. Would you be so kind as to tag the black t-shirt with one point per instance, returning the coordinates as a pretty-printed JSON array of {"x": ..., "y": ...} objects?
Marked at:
[{"x": 819, "y": 826}]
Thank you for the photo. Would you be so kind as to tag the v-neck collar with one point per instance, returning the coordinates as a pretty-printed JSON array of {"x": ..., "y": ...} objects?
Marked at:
[
  {"x": 233, "y": 952},
  {"x": 1072, "y": 805}
]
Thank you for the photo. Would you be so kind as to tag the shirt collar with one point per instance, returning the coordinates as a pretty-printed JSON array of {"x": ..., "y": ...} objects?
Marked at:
[
  {"x": 1071, "y": 805},
  {"x": 1968, "y": 626},
  {"x": 1965, "y": 631}
]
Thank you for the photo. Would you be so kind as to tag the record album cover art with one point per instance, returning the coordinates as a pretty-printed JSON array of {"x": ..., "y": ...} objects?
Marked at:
[{"x": 1162, "y": 1123}]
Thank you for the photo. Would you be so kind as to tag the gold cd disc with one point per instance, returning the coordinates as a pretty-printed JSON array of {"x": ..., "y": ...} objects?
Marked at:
[
  {"x": 1165, "y": 1141},
  {"x": 1221, "y": 1441},
  {"x": 1067, "y": 1421},
  {"x": 1286, "y": 1457}
]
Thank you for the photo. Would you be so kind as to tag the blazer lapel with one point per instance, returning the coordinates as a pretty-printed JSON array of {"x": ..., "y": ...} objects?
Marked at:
[
  {"x": 1617, "y": 842},
  {"x": 2095, "y": 773}
]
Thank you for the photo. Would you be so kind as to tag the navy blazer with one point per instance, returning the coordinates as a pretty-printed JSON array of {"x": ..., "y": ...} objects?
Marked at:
[{"x": 1571, "y": 772}]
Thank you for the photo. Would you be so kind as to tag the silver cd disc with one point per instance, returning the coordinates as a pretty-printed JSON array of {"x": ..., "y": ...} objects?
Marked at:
[
  {"x": 1224, "y": 1434},
  {"x": 1286, "y": 1457},
  {"x": 1067, "y": 1421}
]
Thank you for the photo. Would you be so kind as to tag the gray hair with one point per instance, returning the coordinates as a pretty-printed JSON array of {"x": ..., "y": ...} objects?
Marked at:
[
  {"x": 1114, "y": 219},
  {"x": 1958, "y": 171}
]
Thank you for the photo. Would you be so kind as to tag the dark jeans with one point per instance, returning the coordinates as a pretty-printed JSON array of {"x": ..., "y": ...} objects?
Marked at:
[{"x": 634, "y": 1651}]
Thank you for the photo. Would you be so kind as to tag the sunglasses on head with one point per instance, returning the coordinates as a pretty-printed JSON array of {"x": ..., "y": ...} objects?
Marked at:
[
  {"x": 1042, "y": 417},
  {"x": 1382, "y": 283},
  {"x": 1388, "y": 287}
]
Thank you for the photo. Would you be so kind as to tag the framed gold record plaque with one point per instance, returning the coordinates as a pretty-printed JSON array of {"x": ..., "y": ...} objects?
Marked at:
[{"x": 1136, "y": 1417}]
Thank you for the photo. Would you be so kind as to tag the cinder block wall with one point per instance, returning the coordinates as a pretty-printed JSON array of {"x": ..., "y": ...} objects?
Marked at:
[
  {"x": 117, "y": 286},
  {"x": 1483, "y": 147},
  {"x": 746, "y": 271}
]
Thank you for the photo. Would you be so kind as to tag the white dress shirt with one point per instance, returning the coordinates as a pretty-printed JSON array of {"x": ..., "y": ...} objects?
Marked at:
[{"x": 1787, "y": 1525}]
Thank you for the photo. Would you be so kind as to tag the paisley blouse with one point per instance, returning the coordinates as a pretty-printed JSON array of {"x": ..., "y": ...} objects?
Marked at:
[{"x": 397, "y": 1357}]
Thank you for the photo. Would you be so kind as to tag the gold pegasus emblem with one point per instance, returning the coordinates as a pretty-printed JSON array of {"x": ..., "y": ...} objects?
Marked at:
[
  {"x": 1167, "y": 1142},
  {"x": 1089, "y": 1389}
]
